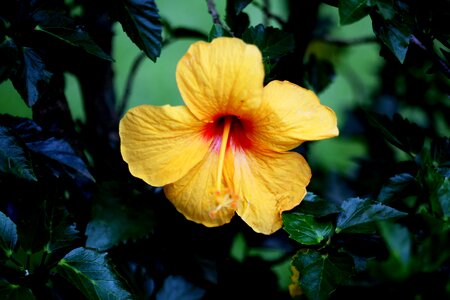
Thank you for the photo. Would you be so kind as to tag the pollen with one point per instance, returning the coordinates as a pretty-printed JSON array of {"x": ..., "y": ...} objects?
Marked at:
[{"x": 225, "y": 198}]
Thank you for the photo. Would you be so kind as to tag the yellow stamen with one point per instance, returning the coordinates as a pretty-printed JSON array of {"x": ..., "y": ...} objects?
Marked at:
[{"x": 223, "y": 148}]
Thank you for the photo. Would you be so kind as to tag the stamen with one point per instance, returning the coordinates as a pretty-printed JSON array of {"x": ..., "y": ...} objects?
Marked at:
[
  {"x": 223, "y": 198},
  {"x": 223, "y": 148}
]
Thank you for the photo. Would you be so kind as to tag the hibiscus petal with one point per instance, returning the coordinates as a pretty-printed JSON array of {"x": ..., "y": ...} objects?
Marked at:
[
  {"x": 224, "y": 77},
  {"x": 292, "y": 115},
  {"x": 193, "y": 195},
  {"x": 268, "y": 184},
  {"x": 161, "y": 144}
]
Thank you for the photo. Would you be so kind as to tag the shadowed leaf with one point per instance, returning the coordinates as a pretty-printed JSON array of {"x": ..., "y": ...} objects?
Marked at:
[
  {"x": 92, "y": 274},
  {"x": 359, "y": 215},
  {"x": 14, "y": 158},
  {"x": 8, "y": 236},
  {"x": 14, "y": 292},
  {"x": 141, "y": 22},
  {"x": 321, "y": 274}
]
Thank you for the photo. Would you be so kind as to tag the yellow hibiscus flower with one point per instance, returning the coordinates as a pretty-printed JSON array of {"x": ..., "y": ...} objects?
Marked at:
[{"x": 226, "y": 151}]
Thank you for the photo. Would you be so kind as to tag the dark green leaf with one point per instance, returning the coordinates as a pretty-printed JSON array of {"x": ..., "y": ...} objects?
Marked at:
[
  {"x": 76, "y": 37},
  {"x": 14, "y": 158},
  {"x": 306, "y": 229},
  {"x": 66, "y": 30},
  {"x": 440, "y": 151},
  {"x": 401, "y": 133},
  {"x": 9, "y": 59},
  {"x": 319, "y": 74},
  {"x": 239, "y": 5},
  {"x": 443, "y": 194},
  {"x": 272, "y": 42},
  {"x": 178, "y": 288},
  {"x": 386, "y": 8},
  {"x": 62, "y": 234},
  {"x": 8, "y": 236},
  {"x": 217, "y": 31},
  {"x": 92, "y": 274},
  {"x": 141, "y": 22},
  {"x": 62, "y": 153},
  {"x": 236, "y": 19},
  {"x": 32, "y": 76},
  {"x": 395, "y": 35},
  {"x": 351, "y": 11},
  {"x": 398, "y": 186},
  {"x": 321, "y": 274},
  {"x": 316, "y": 206},
  {"x": 14, "y": 292},
  {"x": 359, "y": 215},
  {"x": 113, "y": 221}
]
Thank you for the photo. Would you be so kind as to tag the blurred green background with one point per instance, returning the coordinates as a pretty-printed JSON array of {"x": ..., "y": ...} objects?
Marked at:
[{"x": 356, "y": 73}]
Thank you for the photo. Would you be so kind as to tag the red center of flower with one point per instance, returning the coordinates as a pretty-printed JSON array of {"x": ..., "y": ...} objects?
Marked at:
[{"x": 238, "y": 136}]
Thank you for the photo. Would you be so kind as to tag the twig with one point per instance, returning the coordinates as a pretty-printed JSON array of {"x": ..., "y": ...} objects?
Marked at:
[
  {"x": 267, "y": 14},
  {"x": 266, "y": 4},
  {"x": 213, "y": 12},
  {"x": 131, "y": 75},
  {"x": 440, "y": 63},
  {"x": 352, "y": 42}
]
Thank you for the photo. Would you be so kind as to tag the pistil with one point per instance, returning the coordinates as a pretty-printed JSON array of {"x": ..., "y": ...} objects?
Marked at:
[{"x": 223, "y": 148}]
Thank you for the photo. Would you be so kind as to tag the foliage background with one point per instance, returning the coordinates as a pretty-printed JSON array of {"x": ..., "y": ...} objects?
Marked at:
[{"x": 75, "y": 224}]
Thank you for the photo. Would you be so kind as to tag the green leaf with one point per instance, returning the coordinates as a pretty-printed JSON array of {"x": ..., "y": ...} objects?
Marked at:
[
  {"x": 398, "y": 242},
  {"x": 351, "y": 11},
  {"x": 141, "y": 22},
  {"x": 321, "y": 274},
  {"x": 443, "y": 194},
  {"x": 398, "y": 186},
  {"x": 178, "y": 288},
  {"x": 401, "y": 133},
  {"x": 114, "y": 221},
  {"x": 359, "y": 215},
  {"x": 8, "y": 236},
  {"x": 92, "y": 274},
  {"x": 272, "y": 42},
  {"x": 306, "y": 229},
  {"x": 61, "y": 153},
  {"x": 397, "y": 239},
  {"x": 316, "y": 206},
  {"x": 217, "y": 31},
  {"x": 14, "y": 292},
  {"x": 32, "y": 76},
  {"x": 14, "y": 158}
]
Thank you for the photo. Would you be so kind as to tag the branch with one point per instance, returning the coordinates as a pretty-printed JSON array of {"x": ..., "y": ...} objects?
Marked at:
[
  {"x": 437, "y": 60},
  {"x": 351, "y": 42},
  {"x": 213, "y": 12},
  {"x": 267, "y": 14},
  {"x": 130, "y": 79}
]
